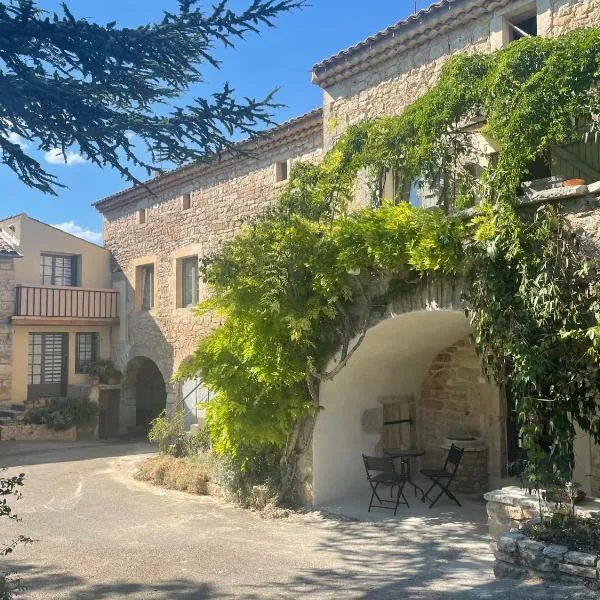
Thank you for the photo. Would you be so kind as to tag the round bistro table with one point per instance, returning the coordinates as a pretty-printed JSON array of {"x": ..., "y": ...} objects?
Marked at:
[{"x": 405, "y": 455}]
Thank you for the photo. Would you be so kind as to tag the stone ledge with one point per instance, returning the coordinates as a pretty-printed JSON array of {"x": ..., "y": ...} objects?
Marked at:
[{"x": 518, "y": 556}]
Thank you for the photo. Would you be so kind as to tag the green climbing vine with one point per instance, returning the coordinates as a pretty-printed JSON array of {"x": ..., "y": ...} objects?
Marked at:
[{"x": 304, "y": 281}]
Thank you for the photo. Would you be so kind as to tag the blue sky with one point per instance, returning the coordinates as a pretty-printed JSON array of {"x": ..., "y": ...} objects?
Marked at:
[{"x": 280, "y": 57}]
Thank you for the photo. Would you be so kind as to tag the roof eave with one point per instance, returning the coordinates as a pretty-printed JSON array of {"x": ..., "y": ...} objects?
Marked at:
[
  {"x": 428, "y": 23},
  {"x": 299, "y": 127}
]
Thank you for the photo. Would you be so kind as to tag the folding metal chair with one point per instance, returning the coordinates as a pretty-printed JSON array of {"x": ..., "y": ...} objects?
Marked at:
[
  {"x": 381, "y": 471},
  {"x": 444, "y": 477}
]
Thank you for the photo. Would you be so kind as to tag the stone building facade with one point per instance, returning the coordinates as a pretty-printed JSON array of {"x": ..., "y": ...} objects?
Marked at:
[
  {"x": 385, "y": 73},
  {"x": 8, "y": 255},
  {"x": 189, "y": 213},
  {"x": 193, "y": 209}
]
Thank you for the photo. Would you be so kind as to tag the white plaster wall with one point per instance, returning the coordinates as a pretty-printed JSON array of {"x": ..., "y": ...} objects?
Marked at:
[{"x": 393, "y": 359}]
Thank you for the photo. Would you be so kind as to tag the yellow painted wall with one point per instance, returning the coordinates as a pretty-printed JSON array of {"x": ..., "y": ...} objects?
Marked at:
[
  {"x": 20, "y": 348},
  {"x": 36, "y": 237}
]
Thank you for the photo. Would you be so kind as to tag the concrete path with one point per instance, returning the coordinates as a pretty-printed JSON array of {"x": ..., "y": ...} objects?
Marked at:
[{"x": 103, "y": 535}]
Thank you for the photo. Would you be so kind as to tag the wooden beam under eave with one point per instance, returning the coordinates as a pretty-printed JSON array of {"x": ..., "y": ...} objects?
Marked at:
[{"x": 68, "y": 321}]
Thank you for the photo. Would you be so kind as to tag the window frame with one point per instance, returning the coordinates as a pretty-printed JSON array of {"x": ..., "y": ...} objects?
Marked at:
[
  {"x": 513, "y": 24},
  {"x": 144, "y": 294},
  {"x": 282, "y": 171},
  {"x": 93, "y": 349},
  {"x": 195, "y": 291},
  {"x": 73, "y": 259}
]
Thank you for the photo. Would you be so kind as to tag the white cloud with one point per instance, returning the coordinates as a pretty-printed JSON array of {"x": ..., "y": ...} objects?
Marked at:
[
  {"x": 15, "y": 138},
  {"x": 55, "y": 157},
  {"x": 86, "y": 234}
]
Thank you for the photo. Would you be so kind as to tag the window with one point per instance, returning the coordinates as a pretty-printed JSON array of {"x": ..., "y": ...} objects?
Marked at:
[
  {"x": 47, "y": 364},
  {"x": 141, "y": 214},
  {"x": 281, "y": 171},
  {"x": 516, "y": 21},
  {"x": 522, "y": 26},
  {"x": 146, "y": 280},
  {"x": 186, "y": 202},
  {"x": 397, "y": 190},
  {"x": 86, "y": 351},
  {"x": 58, "y": 269},
  {"x": 189, "y": 281}
]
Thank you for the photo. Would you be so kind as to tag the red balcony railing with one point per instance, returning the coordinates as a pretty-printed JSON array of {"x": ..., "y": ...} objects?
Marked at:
[{"x": 66, "y": 302}]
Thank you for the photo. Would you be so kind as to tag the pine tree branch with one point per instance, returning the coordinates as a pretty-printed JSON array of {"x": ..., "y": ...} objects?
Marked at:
[{"x": 66, "y": 82}]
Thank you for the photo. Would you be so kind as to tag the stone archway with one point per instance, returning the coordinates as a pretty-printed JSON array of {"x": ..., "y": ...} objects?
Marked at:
[
  {"x": 415, "y": 363},
  {"x": 144, "y": 394}
]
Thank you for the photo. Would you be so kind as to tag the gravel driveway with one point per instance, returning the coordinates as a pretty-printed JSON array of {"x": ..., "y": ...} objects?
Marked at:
[{"x": 101, "y": 534}]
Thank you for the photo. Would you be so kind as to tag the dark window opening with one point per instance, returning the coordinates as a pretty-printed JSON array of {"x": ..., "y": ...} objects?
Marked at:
[
  {"x": 147, "y": 282},
  {"x": 87, "y": 350},
  {"x": 189, "y": 270},
  {"x": 523, "y": 27},
  {"x": 281, "y": 171}
]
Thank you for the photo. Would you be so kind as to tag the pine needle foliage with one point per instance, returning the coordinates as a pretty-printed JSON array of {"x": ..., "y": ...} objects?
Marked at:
[
  {"x": 106, "y": 90},
  {"x": 303, "y": 282}
]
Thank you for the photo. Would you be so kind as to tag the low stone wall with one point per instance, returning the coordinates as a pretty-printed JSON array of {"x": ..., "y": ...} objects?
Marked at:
[
  {"x": 518, "y": 557},
  {"x": 39, "y": 433},
  {"x": 511, "y": 506}
]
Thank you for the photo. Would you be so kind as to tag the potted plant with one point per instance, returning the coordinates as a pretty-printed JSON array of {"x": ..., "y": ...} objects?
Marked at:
[{"x": 104, "y": 371}]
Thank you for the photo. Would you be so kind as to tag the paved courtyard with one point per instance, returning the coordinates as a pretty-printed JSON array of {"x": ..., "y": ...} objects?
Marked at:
[{"x": 101, "y": 534}]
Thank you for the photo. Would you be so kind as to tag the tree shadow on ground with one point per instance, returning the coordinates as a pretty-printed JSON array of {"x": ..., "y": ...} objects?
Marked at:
[
  {"x": 50, "y": 582},
  {"x": 22, "y": 454},
  {"x": 413, "y": 558}
]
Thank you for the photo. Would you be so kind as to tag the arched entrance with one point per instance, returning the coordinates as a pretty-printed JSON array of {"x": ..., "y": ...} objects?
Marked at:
[
  {"x": 416, "y": 365},
  {"x": 144, "y": 393}
]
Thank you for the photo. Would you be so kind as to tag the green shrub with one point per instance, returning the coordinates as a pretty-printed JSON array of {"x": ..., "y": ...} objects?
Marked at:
[
  {"x": 168, "y": 431},
  {"x": 33, "y": 416},
  {"x": 577, "y": 533},
  {"x": 199, "y": 441},
  {"x": 238, "y": 475},
  {"x": 62, "y": 413},
  {"x": 105, "y": 370}
]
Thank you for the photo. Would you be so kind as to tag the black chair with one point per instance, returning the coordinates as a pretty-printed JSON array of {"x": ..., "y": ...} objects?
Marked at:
[
  {"x": 443, "y": 477},
  {"x": 381, "y": 471}
]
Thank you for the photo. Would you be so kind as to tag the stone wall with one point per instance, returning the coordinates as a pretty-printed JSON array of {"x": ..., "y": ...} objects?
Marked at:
[
  {"x": 221, "y": 198},
  {"x": 510, "y": 510},
  {"x": 7, "y": 301},
  {"x": 572, "y": 14},
  {"x": 520, "y": 557},
  {"x": 510, "y": 507},
  {"x": 456, "y": 400},
  {"x": 387, "y": 86},
  {"x": 37, "y": 433}
]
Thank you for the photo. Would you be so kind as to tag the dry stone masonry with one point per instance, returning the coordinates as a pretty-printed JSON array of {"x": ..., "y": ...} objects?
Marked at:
[
  {"x": 520, "y": 557},
  {"x": 7, "y": 299}
]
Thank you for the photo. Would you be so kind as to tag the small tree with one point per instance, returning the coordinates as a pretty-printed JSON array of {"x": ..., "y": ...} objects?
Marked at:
[
  {"x": 9, "y": 487},
  {"x": 69, "y": 82}
]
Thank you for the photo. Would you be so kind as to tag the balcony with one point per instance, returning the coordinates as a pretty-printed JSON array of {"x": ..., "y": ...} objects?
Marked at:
[{"x": 51, "y": 305}]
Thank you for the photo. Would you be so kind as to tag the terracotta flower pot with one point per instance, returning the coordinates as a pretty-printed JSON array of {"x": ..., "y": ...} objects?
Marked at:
[{"x": 573, "y": 182}]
